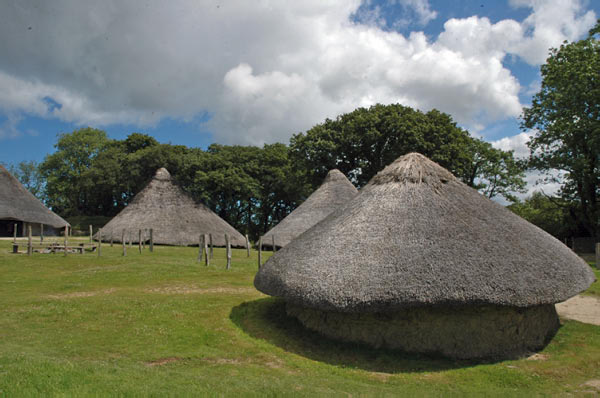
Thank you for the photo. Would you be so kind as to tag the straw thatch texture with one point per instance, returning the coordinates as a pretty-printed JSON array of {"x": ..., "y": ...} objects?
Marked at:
[
  {"x": 334, "y": 192},
  {"x": 176, "y": 219},
  {"x": 17, "y": 203},
  {"x": 466, "y": 332},
  {"x": 416, "y": 236}
]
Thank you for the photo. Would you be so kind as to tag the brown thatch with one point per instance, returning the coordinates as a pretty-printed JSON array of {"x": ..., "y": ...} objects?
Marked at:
[
  {"x": 176, "y": 219},
  {"x": 417, "y": 239},
  {"x": 417, "y": 236},
  {"x": 335, "y": 191},
  {"x": 17, "y": 203}
]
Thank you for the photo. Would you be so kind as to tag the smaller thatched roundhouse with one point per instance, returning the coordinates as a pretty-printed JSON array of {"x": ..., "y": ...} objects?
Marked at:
[
  {"x": 420, "y": 262},
  {"x": 175, "y": 218},
  {"x": 335, "y": 191},
  {"x": 19, "y": 206}
]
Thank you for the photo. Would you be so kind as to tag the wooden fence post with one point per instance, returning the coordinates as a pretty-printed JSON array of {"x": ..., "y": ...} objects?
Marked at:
[
  {"x": 66, "y": 238},
  {"x": 206, "y": 254},
  {"x": 151, "y": 240},
  {"x": 259, "y": 252},
  {"x": 247, "y": 246},
  {"x": 200, "y": 247},
  {"x": 41, "y": 233},
  {"x": 124, "y": 243},
  {"x": 228, "y": 250},
  {"x": 598, "y": 255},
  {"x": 211, "y": 245},
  {"x": 99, "y": 248},
  {"x": 91, "y": 234},
  {"x": 29, "y": 243}
]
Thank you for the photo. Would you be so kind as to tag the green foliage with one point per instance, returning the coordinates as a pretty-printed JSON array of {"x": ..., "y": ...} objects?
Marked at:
[
  {"x": 363, "y": 142},
  {"x": 565, "y": 114},
  {"x": 28, "y": 174},
  {"x": 163, "y": 325},
  {"x": 549, "y": 213}
]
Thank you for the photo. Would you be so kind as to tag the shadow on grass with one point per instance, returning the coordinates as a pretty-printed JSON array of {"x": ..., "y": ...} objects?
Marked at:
[{"x": 266, "y": 319}]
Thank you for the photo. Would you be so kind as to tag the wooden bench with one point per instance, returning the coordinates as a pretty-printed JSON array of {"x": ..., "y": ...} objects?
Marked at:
[{"x": 55, "y": 247}]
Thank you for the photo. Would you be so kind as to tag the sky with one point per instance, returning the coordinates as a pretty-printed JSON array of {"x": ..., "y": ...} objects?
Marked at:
[{"x": 196, "y": 72}]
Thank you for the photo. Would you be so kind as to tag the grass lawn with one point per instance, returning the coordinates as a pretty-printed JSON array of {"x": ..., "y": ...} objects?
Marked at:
[{"x": 162, "y": 324}]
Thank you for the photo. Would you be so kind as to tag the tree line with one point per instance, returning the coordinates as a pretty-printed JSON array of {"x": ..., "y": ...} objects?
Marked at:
[{"x": 253, "y": 188}]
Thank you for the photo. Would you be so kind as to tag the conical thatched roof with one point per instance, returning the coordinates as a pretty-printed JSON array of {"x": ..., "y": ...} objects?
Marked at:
[
  {"x": 335, "y": 191},
  {"x": 417, "y": 236},
  {"x": 17, "y": 203},
  {"x": 176, "y": 219}
]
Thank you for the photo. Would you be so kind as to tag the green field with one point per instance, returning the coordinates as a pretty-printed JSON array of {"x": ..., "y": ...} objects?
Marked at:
[{"x": 162, "y": 324}]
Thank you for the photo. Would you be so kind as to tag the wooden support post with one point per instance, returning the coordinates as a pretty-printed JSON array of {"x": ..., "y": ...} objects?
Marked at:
[
  {"x": 259, "y": 252},
  {"x": 206, "y": 254},
  {"x": 140, "y": 241},
  {"x": 247, "y": 246},
  {"x": 228, "y": 250},
  {"x": 273, "y": 239},
  {"x": 151, "y": 240},
  {"x": 99, "y": 248},
  {"x": 29, "y": 243},
  {"x": 124, "y": 243},
  {"x": 66, "y": 238},
  {"x": 91, "y": 234},
  {"x": 15, "y": 233},
  {"x": 200, "y": 247},
  {"x": 211, "y": 245},
  {"x": 41, "y": 233},
  {"x": 598, "y": 255},
  {"x": 130, "y": 238}
]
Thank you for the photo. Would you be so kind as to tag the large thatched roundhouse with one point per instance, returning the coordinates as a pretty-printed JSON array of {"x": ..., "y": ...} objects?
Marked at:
[
  {"x": 19, "y": 206},
  {"x": 421, "y": 262},
  {"x": 175, "y": 218},
  {"x": 335, "y": 191}
]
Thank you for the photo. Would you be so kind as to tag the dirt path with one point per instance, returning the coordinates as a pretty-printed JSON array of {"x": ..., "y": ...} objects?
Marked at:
[{"x": 580, "y": 308}]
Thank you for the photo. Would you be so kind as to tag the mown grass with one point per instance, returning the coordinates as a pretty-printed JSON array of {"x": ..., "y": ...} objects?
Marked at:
[{"x": 162, "y": 324}]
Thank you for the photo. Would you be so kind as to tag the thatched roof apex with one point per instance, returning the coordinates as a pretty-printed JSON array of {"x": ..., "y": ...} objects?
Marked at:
[
  {"x": 17, "y": 203},
  {"x": 417, "y": 236},
  {"x": 176, "y": 219},
  {"x": 331, "y": 195}
]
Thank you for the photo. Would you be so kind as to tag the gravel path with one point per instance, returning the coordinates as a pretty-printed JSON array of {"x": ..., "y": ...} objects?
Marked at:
[{"x": 580, "y": 308}]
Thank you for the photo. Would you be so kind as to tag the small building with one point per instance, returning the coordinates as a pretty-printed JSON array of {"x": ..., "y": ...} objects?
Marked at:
[
  {"x": 335, "y": 191},
  {"x": 20, "y": 209},
  {"x": 175, "y": 218},
  {"x": 420, "y": 262}
]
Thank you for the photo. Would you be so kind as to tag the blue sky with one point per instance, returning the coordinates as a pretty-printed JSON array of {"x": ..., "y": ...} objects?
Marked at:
[{"x": 237, "y": 72}]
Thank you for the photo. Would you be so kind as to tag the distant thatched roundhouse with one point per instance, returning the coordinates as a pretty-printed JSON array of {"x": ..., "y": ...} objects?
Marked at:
[
  {"x": 335, "y": 191},
  {"x": 19, "y": 206},
  {"x": 175, "y": 218},
  {"x": 421, "y": 262}
]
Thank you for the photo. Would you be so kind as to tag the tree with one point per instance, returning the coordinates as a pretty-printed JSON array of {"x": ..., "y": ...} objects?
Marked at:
[
  {"x": 28, "y": 174},
  {"x": 565, "y": 116},
  {"x": 69, "y": 191},
  {"x": 363, "y": 142},
  {"x": 549, "y": 213}
]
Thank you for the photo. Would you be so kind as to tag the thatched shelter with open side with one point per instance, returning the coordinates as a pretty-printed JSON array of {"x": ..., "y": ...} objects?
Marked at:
[
  {"x": 335, "y": 191},
  {"x": 175, "y": 218},
  {"x": 19, "y": 206},
  {"x": 420, "y": 262}
]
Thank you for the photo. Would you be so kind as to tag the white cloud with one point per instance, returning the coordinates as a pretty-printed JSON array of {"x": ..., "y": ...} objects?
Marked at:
[
  {"x": 516, "y": 143},
  {"x": 263, "y": 70}
]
